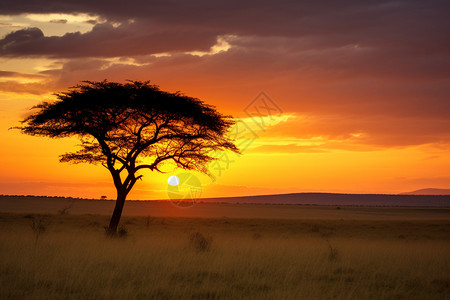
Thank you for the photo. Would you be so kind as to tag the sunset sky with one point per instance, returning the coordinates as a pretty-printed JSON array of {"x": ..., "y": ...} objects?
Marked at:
[{"x": 361, "y": 89}]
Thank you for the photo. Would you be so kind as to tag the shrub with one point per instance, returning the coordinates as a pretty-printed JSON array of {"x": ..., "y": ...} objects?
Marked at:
[
  {"x": 122, "y": 232},
  {"x": 199, "y": 242},
  {"x": 148, "y": 220},
  {"x": 256, "y": 236},
  {"x": 39, "y": 226},
  {"x": 65, "y": 210},
  {"x": 333, "y": 254}
]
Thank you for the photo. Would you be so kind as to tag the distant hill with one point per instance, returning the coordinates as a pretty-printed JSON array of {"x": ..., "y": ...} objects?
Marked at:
[
  {"x": 429, "y": 191},
  {"x": 340, "y": 199}
]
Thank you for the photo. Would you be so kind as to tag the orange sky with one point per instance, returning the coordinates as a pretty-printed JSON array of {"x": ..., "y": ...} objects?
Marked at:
[{"x": 362, "y": 89}]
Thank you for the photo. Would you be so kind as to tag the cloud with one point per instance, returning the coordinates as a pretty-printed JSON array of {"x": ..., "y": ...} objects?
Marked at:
[
  {"x": 59, "y": 21},
  {"x": 33, "y": 88},
  {"x": 22, "y": 83},
  {"x": 324, "y": 133},
  {"x": 11, "y": 74},
  {"x": 378, "y": 69},
  {"x": 150, "y": 27},
  {"x": 104, "y": 40}
]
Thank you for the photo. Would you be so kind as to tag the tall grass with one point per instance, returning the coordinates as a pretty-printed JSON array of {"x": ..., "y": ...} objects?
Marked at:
[{"x": 288, "y": 260}]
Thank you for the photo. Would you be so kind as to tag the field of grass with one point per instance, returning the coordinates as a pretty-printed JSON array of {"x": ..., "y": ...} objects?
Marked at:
[{"x": 69, "y": 257}]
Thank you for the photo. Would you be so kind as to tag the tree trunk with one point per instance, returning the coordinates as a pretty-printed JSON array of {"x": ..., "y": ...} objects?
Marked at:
[{"x": 112, "y": 228}]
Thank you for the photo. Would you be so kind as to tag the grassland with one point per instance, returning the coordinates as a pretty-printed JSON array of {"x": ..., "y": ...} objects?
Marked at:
[{"x": 245, "y": 258}]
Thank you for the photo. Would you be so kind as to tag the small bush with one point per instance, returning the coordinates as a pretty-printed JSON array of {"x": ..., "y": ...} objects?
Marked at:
[
  {"x": 256, "y": 236},
  {"x": 93, "y": 224},
  {"x": 65, "y": 210},
  {"x": 333, "y": 254},
  {"x": 122, "y": 232},
  {"x": 148, "y": 220},
  {"x": 39, "y": 226},
  {"x": 314, "y": 228},
  {"x": 199, "y": 242}
]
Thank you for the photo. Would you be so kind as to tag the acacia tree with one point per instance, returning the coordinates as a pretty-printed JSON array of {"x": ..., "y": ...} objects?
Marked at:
[{"x": 120, "y": 124}]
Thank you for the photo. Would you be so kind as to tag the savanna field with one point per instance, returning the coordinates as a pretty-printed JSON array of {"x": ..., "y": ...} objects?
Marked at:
[{"x": 369, "y": 253}]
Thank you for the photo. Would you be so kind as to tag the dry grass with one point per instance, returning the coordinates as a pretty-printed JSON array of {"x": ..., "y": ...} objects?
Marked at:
[{"x": 245, "y": 259}]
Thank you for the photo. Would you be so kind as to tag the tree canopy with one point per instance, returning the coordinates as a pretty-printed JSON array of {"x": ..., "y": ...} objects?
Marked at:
[{"x": 121, "y": 123}]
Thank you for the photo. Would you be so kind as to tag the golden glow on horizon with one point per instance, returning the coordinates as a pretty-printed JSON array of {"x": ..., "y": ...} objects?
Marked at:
[{"x": 34, "y": 162}]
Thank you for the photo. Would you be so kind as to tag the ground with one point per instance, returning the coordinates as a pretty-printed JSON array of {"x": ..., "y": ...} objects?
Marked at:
[{"x": 369, "y": 253}]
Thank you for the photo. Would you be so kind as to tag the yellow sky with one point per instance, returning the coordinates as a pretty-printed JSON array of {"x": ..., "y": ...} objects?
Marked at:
[{"x": 30, "y": 166}]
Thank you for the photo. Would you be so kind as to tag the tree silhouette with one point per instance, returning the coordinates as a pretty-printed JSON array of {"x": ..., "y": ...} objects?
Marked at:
[{"x": 120, "y": 124}]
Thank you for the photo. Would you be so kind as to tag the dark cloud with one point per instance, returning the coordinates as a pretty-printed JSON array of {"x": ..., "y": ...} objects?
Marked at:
[
  {"x": 104, "y": 40},
  {"x": 19, "y": 37},
  {"x": 59, "y": 21},
  {"x": 311, "y": 83},
  {"x": 18, "y": 74},
  {"x": 167, "y": 26}
]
